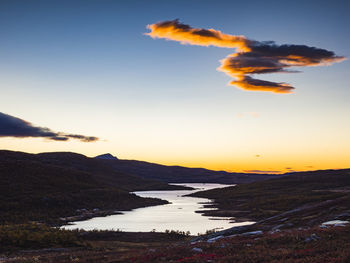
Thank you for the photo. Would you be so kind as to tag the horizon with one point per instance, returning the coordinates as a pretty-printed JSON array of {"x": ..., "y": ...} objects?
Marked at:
[
  {"x": 194, "y": 167},
  {"x": 167, "y": 83}
]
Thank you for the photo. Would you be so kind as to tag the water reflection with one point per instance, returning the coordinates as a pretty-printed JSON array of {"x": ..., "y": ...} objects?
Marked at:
[{"x": 178, "y": 215}]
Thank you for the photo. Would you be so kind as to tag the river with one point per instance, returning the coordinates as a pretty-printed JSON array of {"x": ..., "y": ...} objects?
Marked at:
[{"x": 178, "y": 215}]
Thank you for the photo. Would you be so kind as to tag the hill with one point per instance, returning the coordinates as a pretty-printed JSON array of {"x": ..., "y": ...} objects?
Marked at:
[
  {"x": 299, "y": 199},
  {"x": 44, "y": 187},
  {"x": 100, "y": 170},
  {"x": 179, "y": 174},
  {"x": 106, "y": 156}
]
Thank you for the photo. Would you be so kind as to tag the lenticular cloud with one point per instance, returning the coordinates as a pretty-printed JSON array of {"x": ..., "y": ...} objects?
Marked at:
[{"x": 251, "y": 57}]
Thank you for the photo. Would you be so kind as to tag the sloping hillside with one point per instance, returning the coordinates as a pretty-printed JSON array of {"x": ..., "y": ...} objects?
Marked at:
[
  {"x": 179, "y": 174},
  {"x": 34, "y": 190},
  {"x": 303, "y": 198},
  {"x": 100, "y": 170}
]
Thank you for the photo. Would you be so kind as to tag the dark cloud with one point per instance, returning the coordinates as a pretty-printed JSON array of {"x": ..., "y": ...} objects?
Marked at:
[
  {"x": 271, "y": 58},
  {"x": 173, "y": 23},
  {"x": 82, "y": 137},
  {"x": 253, "y": 57},
  {"x": 15, "y": 127},
  {"x": 248, "y": 83},
  {"x": 270, "y": 49}
]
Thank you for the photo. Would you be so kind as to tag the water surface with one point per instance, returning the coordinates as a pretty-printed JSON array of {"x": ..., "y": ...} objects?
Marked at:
[{"x": 178, "y": 215}]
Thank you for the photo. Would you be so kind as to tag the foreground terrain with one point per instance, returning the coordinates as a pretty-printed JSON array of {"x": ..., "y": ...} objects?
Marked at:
[{"x": 317, "y": 244}]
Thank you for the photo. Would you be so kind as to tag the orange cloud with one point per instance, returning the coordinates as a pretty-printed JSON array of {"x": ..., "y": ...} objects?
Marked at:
[
  {"x": 248, "y": 83},
  {"x": 252, "y": 57},
  {"x": 174, "y": 30}
]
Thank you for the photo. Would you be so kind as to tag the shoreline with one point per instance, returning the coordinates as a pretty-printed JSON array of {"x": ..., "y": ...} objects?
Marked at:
[{"x": 168, "y": 197}]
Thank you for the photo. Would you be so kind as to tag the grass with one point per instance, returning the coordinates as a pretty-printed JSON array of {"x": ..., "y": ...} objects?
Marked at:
[
  {"x": 40, "y": 243},
  {"x": 36, "y": 236},
  {"x": 329, "y": 245}
]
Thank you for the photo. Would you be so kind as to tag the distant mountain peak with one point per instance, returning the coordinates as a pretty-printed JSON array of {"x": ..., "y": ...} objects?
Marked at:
[{"x": 106, "y": 156}]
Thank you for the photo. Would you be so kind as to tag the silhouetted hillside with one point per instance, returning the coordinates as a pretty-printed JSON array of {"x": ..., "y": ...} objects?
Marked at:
[
  {"x": 106, "y": 156},
  {"x": 297, "y": 199},
  {"x": 45, "y": 187},
  {"x": 100, "y": 170},
  {"x": 179, "y": 174}
]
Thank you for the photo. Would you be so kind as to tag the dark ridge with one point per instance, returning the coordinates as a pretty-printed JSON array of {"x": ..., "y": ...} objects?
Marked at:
[{"x": 106, "y": 156}]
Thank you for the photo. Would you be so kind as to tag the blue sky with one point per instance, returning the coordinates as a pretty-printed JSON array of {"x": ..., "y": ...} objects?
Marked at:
[{"x": 86, "y": 67}]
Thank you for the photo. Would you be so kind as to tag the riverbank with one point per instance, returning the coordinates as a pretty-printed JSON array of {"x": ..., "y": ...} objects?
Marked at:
[
  {"x": 85, "y": 214},
  {"x": 178, "y": 214}
]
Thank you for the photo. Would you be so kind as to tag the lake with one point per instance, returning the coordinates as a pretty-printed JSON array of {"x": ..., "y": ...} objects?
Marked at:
[{"x": 178, "y": 215}]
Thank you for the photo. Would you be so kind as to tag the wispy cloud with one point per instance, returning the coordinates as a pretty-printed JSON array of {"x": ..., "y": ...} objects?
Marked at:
[
  {"x": 11, "y": 126},
  {"x": 252, "y": 57}
]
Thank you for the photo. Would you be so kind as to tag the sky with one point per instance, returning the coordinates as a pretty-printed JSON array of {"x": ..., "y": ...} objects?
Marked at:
[{"x": 84, "y": 76}]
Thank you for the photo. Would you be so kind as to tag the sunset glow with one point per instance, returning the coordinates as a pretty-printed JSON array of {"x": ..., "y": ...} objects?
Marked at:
[{"x": 130, "y": 79}]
